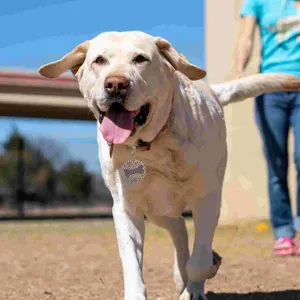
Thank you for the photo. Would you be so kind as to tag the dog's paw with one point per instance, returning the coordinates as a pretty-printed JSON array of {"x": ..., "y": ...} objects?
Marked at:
[
  {"x": 136, "y": 297},
  {"x": 194, "y": 291},
  {"x": 179, "y": 284},
  {"x": 192, "y": 295},
  {"x": 180, "y": 280},
  {"x": 139, "y": 298}
]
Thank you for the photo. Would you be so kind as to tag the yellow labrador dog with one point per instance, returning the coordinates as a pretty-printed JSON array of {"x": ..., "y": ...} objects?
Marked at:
[{"x": 162, "y": 145}]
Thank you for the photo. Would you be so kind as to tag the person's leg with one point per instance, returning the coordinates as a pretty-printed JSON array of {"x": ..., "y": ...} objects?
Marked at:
[
  {"x": 295, "y": 123},
  {"x": 272, "y": 115}
]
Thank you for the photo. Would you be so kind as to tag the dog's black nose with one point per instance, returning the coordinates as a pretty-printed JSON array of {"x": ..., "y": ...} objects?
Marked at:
[{"x": 116, "y": 85}]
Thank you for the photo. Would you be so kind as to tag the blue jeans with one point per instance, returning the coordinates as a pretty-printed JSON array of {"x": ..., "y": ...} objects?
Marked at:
[{"x": 275, "y": 114}]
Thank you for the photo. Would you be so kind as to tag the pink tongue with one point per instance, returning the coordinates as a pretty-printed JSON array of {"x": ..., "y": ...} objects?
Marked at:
[{"x": 117, "y": 124}]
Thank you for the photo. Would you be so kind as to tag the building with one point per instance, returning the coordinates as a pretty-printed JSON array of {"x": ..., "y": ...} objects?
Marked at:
[{"x": 245, "y": 189}]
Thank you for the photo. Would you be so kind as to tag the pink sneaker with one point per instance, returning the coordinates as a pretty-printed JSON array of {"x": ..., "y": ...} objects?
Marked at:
[
  {"x": 297, "y": 248},
  {"x": 284, "y": 247}
]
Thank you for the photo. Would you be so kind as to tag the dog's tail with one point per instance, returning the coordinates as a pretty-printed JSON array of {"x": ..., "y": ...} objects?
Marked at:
[{"x": 253, "y": 86}]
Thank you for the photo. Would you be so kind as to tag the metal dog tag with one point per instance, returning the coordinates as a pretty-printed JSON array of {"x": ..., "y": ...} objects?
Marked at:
[{"x": 134, "y": 170}]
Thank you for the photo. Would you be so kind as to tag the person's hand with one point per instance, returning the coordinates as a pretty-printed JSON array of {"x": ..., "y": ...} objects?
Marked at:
[{"x": 239, "y": 74}]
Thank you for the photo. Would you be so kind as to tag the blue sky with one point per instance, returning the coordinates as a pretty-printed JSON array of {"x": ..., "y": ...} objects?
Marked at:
[{"x": 35, "y": 32}]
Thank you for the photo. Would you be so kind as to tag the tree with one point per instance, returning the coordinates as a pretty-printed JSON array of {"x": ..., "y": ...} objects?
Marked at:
[
  {"x": 13, "y": 141},
  {"x": 9, "y": 160},
  {"x": 76, "y": 180},
  {"x": 44, "y": 179},
  {"x": 53, "y": 150},
  {"x": 39, "y": 174}
]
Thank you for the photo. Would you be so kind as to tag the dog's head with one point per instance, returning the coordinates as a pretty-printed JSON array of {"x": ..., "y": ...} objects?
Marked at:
[{"x": 127, "y": 80}]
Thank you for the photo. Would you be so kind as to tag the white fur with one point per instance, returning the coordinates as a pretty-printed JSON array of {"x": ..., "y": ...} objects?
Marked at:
[
  {"x": 252, "y": 86},
  {"x": 187, "y": 160},
  {"x": 185, "y": 165}
]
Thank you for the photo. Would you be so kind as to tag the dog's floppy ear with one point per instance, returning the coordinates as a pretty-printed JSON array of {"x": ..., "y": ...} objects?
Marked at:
[
  {"x": 71, "y": 61},
  {"x": 178, "y": 61}
]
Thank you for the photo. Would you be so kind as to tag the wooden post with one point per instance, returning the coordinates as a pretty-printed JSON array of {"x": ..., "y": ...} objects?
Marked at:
[{"x": 20, "y": 180}]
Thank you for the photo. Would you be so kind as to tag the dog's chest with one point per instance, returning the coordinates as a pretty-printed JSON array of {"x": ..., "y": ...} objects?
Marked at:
[{"x": 173, "y": 176}]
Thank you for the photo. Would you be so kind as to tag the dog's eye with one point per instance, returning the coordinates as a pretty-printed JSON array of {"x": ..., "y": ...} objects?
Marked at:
[
  {"x": 100, "y": 60},
  {"x": 140, "y": 59}
]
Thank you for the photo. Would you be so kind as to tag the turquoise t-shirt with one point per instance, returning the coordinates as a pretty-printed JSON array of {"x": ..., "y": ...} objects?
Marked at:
[{"x": 279, "y": 23}]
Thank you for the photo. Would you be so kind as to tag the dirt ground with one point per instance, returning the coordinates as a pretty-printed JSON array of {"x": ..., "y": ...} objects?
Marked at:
[{"x": 78, "y": 260}]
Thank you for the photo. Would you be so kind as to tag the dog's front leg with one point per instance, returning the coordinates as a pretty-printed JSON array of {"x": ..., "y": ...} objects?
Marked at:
[
  {"x": 130, "y": 234},
  {"x": 200, "y": 265}
]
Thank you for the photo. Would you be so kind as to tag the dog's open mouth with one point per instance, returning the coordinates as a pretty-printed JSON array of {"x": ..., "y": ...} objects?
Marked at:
[{"x": 118, "y": 123}]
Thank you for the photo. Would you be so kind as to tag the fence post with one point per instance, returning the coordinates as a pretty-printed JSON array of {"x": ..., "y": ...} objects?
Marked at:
[{"x": 20, "y": 180}]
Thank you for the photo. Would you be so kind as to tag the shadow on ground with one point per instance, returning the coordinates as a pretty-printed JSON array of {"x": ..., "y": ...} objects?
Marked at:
[{"x": 283, "y": 295}]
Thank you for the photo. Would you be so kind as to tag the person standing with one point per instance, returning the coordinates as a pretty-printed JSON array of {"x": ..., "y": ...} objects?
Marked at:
[{"x": 276, "y": 113}]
